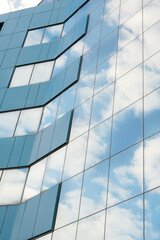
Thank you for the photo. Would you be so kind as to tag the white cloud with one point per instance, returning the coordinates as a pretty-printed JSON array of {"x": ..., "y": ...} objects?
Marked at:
[{"x": 13, "y": 5}]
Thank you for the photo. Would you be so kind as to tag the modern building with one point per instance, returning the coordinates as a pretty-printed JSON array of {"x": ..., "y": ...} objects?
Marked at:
[{"x": 80, "y": 121}]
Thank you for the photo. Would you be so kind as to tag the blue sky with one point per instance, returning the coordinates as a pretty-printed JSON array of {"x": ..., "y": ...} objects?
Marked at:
[{"x": 12, "y": 5}]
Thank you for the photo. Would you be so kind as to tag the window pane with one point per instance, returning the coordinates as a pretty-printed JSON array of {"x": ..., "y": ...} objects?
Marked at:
[
  {"x": 42, "y": 72},
  {"x": 94, "y": 179},
  {"x": 54, "y": 169},
  {"x": 69, "y": 201},
  {"x": 28, "y": 122},
  {"x": 21, "y": 75},
  {"x": 52, "y": 33},
  {"x": 69, "y": 24},
  {"x": 34, "y": 180},
  {"x": 34, "y": 37},
  {"x": 11, "y": 186},
  {"x": 49, "y": 113},
  {"x": 7, "y": 123}
]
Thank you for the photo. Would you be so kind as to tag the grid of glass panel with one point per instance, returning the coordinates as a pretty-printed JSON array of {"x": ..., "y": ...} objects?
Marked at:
[{"x": 110, "y": 168}]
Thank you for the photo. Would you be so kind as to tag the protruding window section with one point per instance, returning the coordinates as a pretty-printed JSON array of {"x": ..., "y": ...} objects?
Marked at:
[
  {"x": 43, "y": 35},
  {"x": 33, "y": 73},
  {"x": 1, "y": 25}
]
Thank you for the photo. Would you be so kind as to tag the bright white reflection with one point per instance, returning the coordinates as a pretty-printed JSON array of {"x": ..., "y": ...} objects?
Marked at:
[
  {"x": 132, "y": 225},
  {"x": 21, "y": 76},
  {"x": 67, "y": 233},
  {"x": 92, "y": 227},
  {"x": 29, "y": 121},
  {"x": 42, "y": 72},
  {"x": 7, "y": 123},
  {"x": 34, "y": 180},
  {"x": 11, "y": 186},
  {"x": 30, "y": 74},
  {"x": 75, "y": 156},
  {"x": 152, "y": 164},
  {"x": 34, "y": 37}
]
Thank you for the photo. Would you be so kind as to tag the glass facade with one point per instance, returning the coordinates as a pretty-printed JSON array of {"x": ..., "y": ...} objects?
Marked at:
[{"x": 79, "y": 121}]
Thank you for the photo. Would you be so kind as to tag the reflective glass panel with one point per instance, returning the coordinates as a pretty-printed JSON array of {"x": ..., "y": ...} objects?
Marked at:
[
  {"x": 127, "y": 59},
  {"x": 69, "y": 24},
  {"x": 8, "y": 123},
  {"x": 125, "y": 221},
  {"x": 42, "y": 72},
  {"x": 94, "y": 189},
  {"x": 129, "y": 8},
  {"x": 49, "y": 113},
  {"x": 54, "y": 169},
  {"x": 151, "y": 14},
  {"x": 11, "y": 186},
  {"x": 127, "y": 127},
  {"x": 128, "y": 89},
  {"x": 151, "y": 73},
  {"x": 105, "y": 73},
  {"x": 151, "y": 162},
  {"x": 151, "y": 113},
  {"x": 126, "y": 175},
  {"x": 29, "y": 121},
  {"x": 60, "y": 63},
  {"x": 98, "y": 143},
  {"x": 34, "y": 37},
  {"x": 92, "y": 227},
  {"x": 21, "y": 76},
  {"x": 76, "y": 51},
  {"x": 102, "y": 105},
  {"x": 152, "y": 215},
  {"x": 81, "y": 119},
  {"x": 67, "y": 233},
  {"x": 151, "y": 40},
  {"x": 52, "y": 33},
  {"x": 85, "y": 88},
  {"x": 69, "y": 201},
  {"x": 34, "y": 180},
  {"x": 130, "y": 29},
  {"x": 66, "y": 101},
  {"x": 75, "y": 156}
]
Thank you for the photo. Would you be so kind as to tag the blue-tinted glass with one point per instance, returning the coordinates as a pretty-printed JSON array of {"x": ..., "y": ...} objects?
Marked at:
[
  {"x": 102, "y": 105},
  {"x": 52, "y": 33},
  {"x": 91, "y": 200},
  {"x": 89, "y": 61},
  {"x": 110, "y": 22},
  {"x": 69, "y": 201},
  {"x": 127, "y": 127},
  {"x": 126, "y": 175},
  {"x": 95, "y": 16},
  {"x": 69, "y": 24},
  {"x": 105, "y": 73},
  {"x": 151, "y": 113},
  {"x": 66, "y": 101},
  {"x": 152, "y": 213},
  {"x": 108, "y": 46},
  {"x": 47, "y": 211},
  {"x": 98, "y": 143},
  {"x": 29, "y": 218}
]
